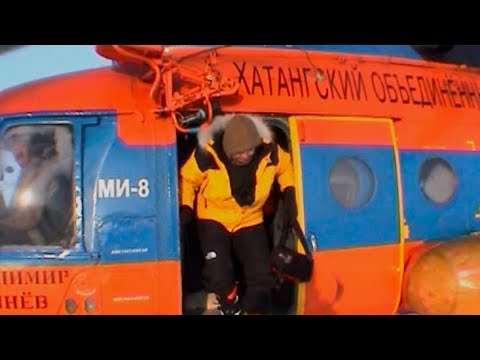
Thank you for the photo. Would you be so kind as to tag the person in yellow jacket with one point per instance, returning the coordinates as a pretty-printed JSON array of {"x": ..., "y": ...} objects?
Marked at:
[{"x": 228, "y": 179}]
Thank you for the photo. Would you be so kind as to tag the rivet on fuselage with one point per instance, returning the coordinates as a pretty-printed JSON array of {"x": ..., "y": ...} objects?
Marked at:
[
  {"x": 89, "y": 305},
  {"x": 70, "y": 306}
]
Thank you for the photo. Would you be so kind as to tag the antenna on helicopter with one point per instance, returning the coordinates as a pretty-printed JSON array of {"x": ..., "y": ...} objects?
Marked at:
[{"x": 318, "y": 73}]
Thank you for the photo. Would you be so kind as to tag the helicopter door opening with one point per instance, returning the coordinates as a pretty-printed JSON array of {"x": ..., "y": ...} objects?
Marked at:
[
  {"x": 348, "y": 177},
  {"x": 195, "y": 299}
]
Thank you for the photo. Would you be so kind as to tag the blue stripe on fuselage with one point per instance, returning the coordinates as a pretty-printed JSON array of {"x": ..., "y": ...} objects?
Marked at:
[
  {"x": 336, "y": 226},
  {"x": 122, "y": 223},
  {"x": 429, "y": 221}
]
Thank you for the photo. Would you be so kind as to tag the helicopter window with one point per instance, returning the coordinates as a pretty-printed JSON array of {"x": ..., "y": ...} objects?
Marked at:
[
  {"x": 36, "y": 200},
  {"x": 351, "y": 182},
  {"x": 437, "y": 180}
]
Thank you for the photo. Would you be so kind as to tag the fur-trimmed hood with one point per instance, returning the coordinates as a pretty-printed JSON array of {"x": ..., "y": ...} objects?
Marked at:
[{"x": 220, "y": 122}]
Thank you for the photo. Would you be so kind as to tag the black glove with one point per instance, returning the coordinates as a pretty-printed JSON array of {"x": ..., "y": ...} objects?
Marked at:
[
  {"x": 186, "y": 216},
  {"x": 290, "y": 210}
]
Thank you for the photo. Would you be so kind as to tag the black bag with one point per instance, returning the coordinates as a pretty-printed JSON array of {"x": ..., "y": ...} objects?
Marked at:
[{"x": 288, "y": 264}]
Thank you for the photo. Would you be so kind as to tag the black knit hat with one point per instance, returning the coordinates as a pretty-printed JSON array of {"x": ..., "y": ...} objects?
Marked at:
[{"x": 240, "y": 135}]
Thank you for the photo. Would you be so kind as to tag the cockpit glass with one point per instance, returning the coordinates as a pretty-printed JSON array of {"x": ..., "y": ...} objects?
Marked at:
[{"x": 36, "y": 173}]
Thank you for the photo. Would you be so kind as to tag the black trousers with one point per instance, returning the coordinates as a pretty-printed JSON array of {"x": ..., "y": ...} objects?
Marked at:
[
  {"x": 250, "y": 247},
  {"x": 192, "y": 259}
]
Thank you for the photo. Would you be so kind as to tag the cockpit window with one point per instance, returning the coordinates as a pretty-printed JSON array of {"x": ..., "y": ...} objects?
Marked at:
[{"x": 36, "y": 189}]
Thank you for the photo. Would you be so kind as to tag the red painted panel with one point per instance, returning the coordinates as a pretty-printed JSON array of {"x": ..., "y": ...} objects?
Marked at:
[
  {"x": 348, "y": 281},
  {"x": 345, "y": 132},
  {"x": 144, "y": 288}
]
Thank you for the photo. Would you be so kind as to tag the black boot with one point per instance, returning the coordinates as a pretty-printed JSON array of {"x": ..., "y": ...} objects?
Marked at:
[{"x": 230, "y": 307}]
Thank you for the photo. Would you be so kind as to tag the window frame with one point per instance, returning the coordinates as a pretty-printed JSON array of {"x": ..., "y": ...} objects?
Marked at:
[
  {"x": 368, "y": 171},
  {"x": 55, "y": 253},
  {"x": 421, "y": 181}
]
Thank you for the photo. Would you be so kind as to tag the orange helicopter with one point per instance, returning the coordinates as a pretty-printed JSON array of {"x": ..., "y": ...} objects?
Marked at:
[{"x": 384, "y": 150}]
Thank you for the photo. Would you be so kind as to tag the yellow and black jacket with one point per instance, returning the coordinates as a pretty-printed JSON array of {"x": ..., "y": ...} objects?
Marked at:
[{"x": 233, "y": 196}]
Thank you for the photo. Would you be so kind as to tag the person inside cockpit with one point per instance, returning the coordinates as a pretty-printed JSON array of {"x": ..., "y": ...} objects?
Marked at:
[{"x": 40, "y": 211}]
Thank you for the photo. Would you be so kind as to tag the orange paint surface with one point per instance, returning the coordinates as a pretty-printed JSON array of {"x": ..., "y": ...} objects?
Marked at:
[
  {"x": 348, "y": 282},
  {"x": 145, "y": 129},
  {"x": 289, "y": 82},
  {"x": 444, "y": 278},
  {"x": 108, "y": 90},
  {"x": 145, "y": 288},
  {"x": 349, "y": 132},
  {"x": 355, "y": 283}
]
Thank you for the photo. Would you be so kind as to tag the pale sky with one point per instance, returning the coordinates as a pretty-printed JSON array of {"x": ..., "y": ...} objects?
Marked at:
[{"x": 38, "y": 61}]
